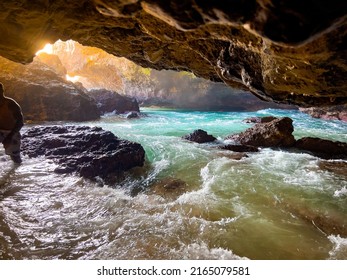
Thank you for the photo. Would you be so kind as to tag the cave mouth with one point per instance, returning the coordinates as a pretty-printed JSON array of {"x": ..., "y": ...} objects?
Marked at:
[{"x": 182, "y": 187}]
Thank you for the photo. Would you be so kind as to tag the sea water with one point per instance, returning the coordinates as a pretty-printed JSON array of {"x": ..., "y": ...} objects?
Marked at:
[{"x": 189, "y": 201}]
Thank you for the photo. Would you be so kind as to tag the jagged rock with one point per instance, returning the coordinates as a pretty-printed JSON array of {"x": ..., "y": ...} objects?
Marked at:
[
  {"x": 199, "y": 136},
  {"x": 87, "y": 151},
  {"x": 277, "y": 133},
  {"x": 287, "y": 51},
  {"x": 322, "y": 148},
  {"x": 110, "y": 101},
  {"x": 133, "y": 115},
  {"x": 259, "y": 119},
  {"x": 44, "y": 95},
  {"x": 327, "y": 113},
  {"x": 239, "y": 148}
]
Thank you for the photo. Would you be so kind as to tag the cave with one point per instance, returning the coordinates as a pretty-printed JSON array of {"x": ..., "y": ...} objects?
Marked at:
[
  {"x": 188, "y": 172},
  {"x": 285, "y": 51}
]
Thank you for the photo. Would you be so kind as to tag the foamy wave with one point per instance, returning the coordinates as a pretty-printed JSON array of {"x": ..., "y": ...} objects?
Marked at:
[
  {"x": 201, "y": 251},
  {"x": 297, "y": 169},
  {"x": 339, "y": 250},
  {"x": 341, "y": 192}
]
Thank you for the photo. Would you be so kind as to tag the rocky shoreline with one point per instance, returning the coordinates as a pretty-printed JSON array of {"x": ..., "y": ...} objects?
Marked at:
[
  {"x": 88, "y": 151},
  {"x": 271, "y": 132}
]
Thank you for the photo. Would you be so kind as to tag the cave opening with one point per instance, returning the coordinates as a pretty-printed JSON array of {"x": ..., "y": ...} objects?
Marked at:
[{"x": 126, "y": 162}]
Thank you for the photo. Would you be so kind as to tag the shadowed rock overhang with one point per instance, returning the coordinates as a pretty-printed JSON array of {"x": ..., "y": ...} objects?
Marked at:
[{"x": 288, "y": 51}]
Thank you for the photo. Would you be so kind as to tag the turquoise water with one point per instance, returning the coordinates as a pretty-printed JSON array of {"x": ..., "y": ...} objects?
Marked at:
[{"x": 189, "y": 201}]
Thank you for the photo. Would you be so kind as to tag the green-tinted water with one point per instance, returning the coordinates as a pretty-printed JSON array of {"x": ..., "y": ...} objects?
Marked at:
[{"x": 270, "y": 205}]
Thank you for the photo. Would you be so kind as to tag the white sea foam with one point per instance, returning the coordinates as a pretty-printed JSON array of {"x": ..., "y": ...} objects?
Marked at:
[
  {"x": 341, "y": 192},
  {"x": 201, "y": 251},
  {"x": 339, "y": 250}
]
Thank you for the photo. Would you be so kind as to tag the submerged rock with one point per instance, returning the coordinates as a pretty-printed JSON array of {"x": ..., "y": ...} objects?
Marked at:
[
  {"x": 88, "y": 151},
  {"x": 329, "y": 222},
  {"x": 169, "y": 188},
  {"x": 322, "y": 148},
  {"x": 199, "y": 136},
  {"x": 277, "y": 133},
  {"x": 337, "y": 167}
]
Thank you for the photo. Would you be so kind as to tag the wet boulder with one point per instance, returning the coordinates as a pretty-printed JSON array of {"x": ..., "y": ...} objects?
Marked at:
[
  {"x": 276, "y": 133},
  {"x": 323, "y": 148},
  {"x": 199, "y": 136},
  {"x": 88, "y": 151}
]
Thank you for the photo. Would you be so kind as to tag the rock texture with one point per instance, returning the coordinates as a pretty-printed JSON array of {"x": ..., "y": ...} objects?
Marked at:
[
  {"x": 87, "y": 151},
  {"x": 96, "y": 69},
  {"x": 328, "y": 113},
  {"x": 288, "y": 51},
  {"x": 277, "y": 133},
  {"x": 323, "y": 148},
  {"x": 109, "y": 101},
  {"x": 239, "y": 148},
  {"x": 44, "y": 95},
  {"x": 199, "y": 136}
]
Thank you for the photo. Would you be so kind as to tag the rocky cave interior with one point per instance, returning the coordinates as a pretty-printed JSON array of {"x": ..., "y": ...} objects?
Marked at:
[
  {"x": 290, "y": 52},
  {"x": 284, "y": 51}
]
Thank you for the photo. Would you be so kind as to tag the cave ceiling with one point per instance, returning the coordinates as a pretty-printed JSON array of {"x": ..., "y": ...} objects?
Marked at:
[{"x": 287, "y": 51}]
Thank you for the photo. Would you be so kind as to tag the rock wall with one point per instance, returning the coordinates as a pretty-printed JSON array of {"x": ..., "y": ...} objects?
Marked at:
[
  {"x": 290, "y": 51},
  {"x": 328, "y": 113},
  {"x": 44, "y": 95}
]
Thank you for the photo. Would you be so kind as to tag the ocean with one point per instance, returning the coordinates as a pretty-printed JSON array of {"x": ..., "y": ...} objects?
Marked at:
[{"x": 189, "y": 201}]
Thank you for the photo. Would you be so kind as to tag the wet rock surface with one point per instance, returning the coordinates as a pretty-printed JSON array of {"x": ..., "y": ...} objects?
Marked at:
[
  {"x": 286, "y": 51},
  {"x": 239, "y": 148},
  {"x": 277, "y": 133},
  {"x": 323, "y": 148},
  {"x": 169, "y": 188},
  {"x": 88, "y": 151},
  {"x": 199, "y": 136},
  {"x": 336, "y": 167},
  {"x": 327, "y": 113}
]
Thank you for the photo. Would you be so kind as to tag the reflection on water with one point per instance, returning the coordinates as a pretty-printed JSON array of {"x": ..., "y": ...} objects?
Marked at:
[{"x": 271, "y": 205}]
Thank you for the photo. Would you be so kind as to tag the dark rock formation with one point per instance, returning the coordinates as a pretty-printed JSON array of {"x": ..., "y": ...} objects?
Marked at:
[
  {"x": 44, "y": 95},
  {"x": 322, "y": 148},
  {"x": 287, "y": 51},
  {"x": 132, "y": 115},
  {"x": 239, "y": 148},
  {"x": 328, "y": 113},
  {"x": 199, "y": 136},
  {"x": 87, "y": 151},
  {"x": 277, "y": 133},
  {"x": 259, "y": 119},
  {"x": 109, "y": 101}
]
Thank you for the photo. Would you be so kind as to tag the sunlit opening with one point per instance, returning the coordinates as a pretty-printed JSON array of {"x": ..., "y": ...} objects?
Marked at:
[
  {"x": 48, "y": 48},
  {"x": 73, "y": 79}
]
